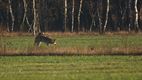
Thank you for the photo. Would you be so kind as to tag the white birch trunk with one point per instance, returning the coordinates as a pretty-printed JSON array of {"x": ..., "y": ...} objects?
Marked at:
[
  {"x": 92, "y": 14},
  {"x": 79, "y": 13},
  {"x": 72, "y": 28},
  {"x": 65, "y": 13},
  {"x": 92, "y": 23},
  {"x": 30, "y": 25},
  {"x": 36, "y": 25},
  {"x": 100, "y": 22},
  {"x": 25, "y": 15},
  {"x": 12, "y": 16},
  {"x": 106, "y": 21},
  {"x": 99, "y": 10},
  {"x": 130, "y": 14},
  {"x": 34, "y": 20},
  {"x": 136, "y": 18}
]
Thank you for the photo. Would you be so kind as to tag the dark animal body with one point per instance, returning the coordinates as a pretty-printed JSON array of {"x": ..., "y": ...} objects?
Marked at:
[{"x": 41, "y": 38}]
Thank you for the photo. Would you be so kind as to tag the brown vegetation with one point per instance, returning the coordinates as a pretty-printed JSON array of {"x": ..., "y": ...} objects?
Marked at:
[
  {"x": 71, "y": 51},
  {"x": 122, "y": 33}
]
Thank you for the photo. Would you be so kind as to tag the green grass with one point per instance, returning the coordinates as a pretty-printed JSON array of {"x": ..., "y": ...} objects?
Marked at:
[
  {"x": 70, "y": 67},
  {"x": 76, "y": 44},
  {"x": 101, "y": 41},
  {"x": 78, "y": 41}
]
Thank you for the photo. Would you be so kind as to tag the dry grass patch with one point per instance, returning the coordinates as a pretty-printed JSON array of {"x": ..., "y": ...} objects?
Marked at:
[{"x": 72, "y": 51}]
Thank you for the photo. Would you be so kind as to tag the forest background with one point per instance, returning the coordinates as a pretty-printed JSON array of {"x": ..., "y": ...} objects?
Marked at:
[{"x": 70, "y": 15}]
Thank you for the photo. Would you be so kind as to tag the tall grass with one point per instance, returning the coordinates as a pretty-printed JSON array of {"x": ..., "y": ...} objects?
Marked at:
[{"x": 71, "y": 44}]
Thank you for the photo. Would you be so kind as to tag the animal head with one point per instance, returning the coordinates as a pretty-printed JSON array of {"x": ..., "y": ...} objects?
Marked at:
[{"x": 40, "y": 34}]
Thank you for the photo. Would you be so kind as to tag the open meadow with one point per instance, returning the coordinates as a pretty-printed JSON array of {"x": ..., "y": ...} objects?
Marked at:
[
  {"x": 70, "y": 67},
  {"x": 73, "y": 44},
  {"x": 75, "y": 57}
]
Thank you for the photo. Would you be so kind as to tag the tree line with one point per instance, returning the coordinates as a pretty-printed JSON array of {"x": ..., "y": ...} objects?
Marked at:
[{"x": 70, "y": 15}]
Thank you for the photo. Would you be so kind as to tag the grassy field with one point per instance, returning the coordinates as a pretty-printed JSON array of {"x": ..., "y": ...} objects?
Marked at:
[
  {"x": 109, "y": 60},
  {"x": 86, "y": 44},
  {"x": 70, "y": 67}
]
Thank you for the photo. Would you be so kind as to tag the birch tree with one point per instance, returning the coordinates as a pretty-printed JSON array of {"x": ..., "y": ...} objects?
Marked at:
[
  {"x": 99, "y": 10},
  {"x": 36, "y": 25},
  {"x": 12, "y": 16},
  {"x": 79, "y": 13},
  {"x": 72, "y": 28},
  {"x": 92, "y": 14},
  {"x": 25, "y": 18},
  {"x": 34, "y": 21},
  {"x": 106, "y": 21},
  {"x": 130, "y": 15},
  {"x": 136, "y": 16},
  {"x": 123, "y": 10},
  {"x": 65, "y": 13}
]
